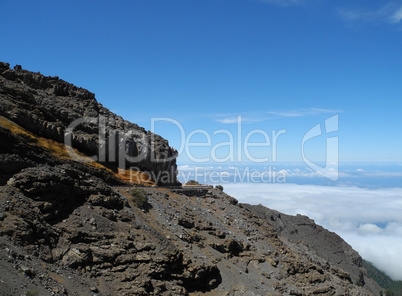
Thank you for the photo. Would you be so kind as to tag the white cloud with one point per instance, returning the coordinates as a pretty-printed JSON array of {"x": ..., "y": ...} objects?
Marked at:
[
  {"x": 354, "y": 15},
  {"x": 228, "y": 120},
  {"x": 384, "y": 250},
  {"x": 252, "y": 117},
  {"x": 184, "y": 167},
  {"x": 368, "y": 219},
  {"x": 369, "y": 227},
  {"x": 397, "y": 16},
  {"x": 304, "y": 112},
  {"x": 349, "y": 15},
  {"x": 243, "y": 118},
  {"x": 390, "y": 13}
]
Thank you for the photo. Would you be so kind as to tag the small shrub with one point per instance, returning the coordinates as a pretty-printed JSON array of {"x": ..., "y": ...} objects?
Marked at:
[
  {"x": 220, "y": 187},
  {"x": 192, "y": 182},
  {"x": 139, "y": 198},
  {"x": 32, "y": 293}
]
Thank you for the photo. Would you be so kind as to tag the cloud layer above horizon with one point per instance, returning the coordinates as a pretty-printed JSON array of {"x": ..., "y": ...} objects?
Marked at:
[{"x": 369, "y": 220}]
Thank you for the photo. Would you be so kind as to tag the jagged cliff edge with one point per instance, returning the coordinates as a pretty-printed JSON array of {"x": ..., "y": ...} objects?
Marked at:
[{"x": 54, "y": 109}]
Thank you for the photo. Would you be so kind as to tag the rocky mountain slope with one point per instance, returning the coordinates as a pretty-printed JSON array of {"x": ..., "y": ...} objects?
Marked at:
[
  {"x": 71, "y": 227},
  {"x": 56, "y": 110}
]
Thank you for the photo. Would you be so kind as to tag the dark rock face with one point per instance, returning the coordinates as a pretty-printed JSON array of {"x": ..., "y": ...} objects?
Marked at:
[
  {"x": 56, "y": 191},
  {"x": 75, "y": 221},
  {"x": 57, "y": 110}
]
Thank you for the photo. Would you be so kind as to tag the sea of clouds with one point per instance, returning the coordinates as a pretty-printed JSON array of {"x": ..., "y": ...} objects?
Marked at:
[
  {"x": 370, "y": 220},
  {"x": 364, "y": 206}
]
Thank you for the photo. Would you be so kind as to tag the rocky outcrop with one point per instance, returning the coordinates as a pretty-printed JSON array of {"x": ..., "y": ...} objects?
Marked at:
[
  {"x": 75, "y": 222},
  {"x": 57, "y": 110},
  {"x": 19, "y": 150}
]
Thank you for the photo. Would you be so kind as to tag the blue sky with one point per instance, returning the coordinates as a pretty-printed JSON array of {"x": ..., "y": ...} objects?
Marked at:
[{"x": 279, "y": 64}]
